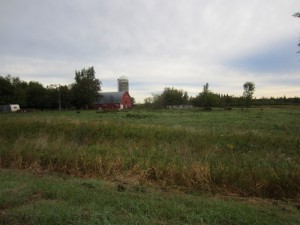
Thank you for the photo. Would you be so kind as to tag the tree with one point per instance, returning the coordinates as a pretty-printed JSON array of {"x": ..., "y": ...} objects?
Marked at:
[
  {"x": 297, "y": 14},
  {"x": 172, "y": 96},
  {"x": 59, "y": 96},
  {"x": 36, "y": 96},
  {"x": 227, "y": 100},
  {"x": 157, "y": 101},
  {"x": 12, "y": 90},
  {"x": 6, "y": 91},
  {"x": 206, "y": 98},
  {"x": 148, "y": 102},
  {"x": 19, "y": 91},
  {"x": 206, "y": 88},
  {"x": 133, "y": 100},
  {"x": 66, "y": 97},
  {"x": 85, "y": 89},
  {"x": 249, "y": 88}
]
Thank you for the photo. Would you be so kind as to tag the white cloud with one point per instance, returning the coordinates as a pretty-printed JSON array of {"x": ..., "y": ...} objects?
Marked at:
[{"x": 155, "y": 43}]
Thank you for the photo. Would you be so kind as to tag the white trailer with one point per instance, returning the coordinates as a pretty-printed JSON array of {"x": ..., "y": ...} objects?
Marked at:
[{"x": 10, "y": 108}]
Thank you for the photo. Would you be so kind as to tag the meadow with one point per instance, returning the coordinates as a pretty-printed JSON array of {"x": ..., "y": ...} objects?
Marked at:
[{"x": 241, "y": 153}]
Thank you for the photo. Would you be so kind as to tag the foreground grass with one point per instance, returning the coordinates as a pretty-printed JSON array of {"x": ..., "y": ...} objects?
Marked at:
[
  {"x": 249, "y": 153},
  {"x": 53, "y": 199}
]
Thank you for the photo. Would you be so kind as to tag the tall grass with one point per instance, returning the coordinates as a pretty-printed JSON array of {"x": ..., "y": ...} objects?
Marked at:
[{"x": 249, "y": 163}]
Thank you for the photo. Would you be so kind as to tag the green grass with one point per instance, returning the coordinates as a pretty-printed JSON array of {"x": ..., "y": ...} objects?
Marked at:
[
  {"x": 249, "y": 152},
  {"x": 274, "y": 120},
  {"x": 48, "y": 198}
]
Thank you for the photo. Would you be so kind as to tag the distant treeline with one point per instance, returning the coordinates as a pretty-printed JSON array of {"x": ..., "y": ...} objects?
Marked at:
[
  {"x": 207, "y": 99},
  {"x": 33, "y": 95}
]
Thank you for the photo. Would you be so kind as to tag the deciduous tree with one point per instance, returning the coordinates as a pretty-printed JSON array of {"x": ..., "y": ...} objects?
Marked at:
[
  {"x": 206, "y": 98},
  {"x": 85, "y": 89},
  {"x": 173, "y": 96},
  {"x": 249, "y": 88},
  {"x": 36, "y": 96},
  {"x": 6, "y": 91}
]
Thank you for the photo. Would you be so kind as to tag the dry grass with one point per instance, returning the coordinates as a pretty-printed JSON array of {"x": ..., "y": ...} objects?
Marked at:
[{"x": 245, "y": 163}]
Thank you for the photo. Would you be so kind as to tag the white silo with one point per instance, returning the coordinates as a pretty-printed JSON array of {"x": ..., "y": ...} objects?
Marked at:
[{"x": 123, "y": 84}]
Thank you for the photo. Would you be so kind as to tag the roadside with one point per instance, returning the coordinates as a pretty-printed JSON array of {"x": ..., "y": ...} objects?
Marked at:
[{"x": 53, "y": 198}]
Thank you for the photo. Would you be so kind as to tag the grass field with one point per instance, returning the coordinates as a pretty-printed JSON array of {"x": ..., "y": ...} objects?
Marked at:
[
  {"x": 47, "y": 199},
  {"x": 244, "y": 153}
]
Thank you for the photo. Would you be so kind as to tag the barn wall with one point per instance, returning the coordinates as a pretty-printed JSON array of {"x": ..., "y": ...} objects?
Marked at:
[
  {"x": 126, "y": 101},
  {"x": 113, "y": 106}
]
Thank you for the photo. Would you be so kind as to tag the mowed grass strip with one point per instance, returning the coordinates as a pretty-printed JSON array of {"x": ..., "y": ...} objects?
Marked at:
[
  {"x": 248, "y": 162},
  {"x": 50, "y": 198}
]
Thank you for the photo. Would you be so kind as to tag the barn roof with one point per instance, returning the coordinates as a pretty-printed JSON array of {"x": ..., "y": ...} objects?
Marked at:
[{"x": 111, "y": 97}]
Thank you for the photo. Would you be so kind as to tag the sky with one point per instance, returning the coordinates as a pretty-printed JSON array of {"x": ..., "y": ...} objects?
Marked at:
[{"x": 155, "y": 43}]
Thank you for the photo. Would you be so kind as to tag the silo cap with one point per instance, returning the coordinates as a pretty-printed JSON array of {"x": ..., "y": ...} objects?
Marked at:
[{"x": 123, "y": 78}]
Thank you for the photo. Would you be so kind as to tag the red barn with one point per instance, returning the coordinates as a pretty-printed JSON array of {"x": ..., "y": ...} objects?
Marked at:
[{"x": 113, "y": 101}]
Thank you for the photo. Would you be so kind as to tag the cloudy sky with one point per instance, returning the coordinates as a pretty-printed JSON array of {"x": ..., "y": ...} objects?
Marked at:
[{"x": 155, "y": 43}]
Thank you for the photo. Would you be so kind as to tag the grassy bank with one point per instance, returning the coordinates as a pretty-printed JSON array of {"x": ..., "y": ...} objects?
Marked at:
[
  {"x": 249, "y": 152},
  {"x": 47, "y": 199}
]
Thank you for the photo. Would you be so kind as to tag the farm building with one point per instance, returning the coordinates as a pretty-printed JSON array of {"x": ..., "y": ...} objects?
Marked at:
[
  {"x": 10, "y": 108},
  {"x": 114, "y": 101}
]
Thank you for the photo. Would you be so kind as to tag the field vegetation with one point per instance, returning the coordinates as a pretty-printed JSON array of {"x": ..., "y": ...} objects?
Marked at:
[
  {"x": 240, "y": 152},
  {"x": 151, "y": 167},
  {"x": 50, "y": 198}
]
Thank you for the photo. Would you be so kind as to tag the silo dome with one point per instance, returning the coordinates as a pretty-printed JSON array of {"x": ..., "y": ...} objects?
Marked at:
[
  {"x": 123, "y": 84},
  {"x": 123, "y": 78}
]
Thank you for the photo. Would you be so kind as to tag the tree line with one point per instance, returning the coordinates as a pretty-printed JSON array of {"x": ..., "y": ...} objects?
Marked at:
[
  {"x": 85, "y": 90},
  {"x": 207, "y": 99},
  {"x": 80, "y": 94}
]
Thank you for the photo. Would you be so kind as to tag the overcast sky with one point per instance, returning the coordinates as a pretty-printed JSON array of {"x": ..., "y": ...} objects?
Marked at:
[{"x": 155, "y": 43}]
